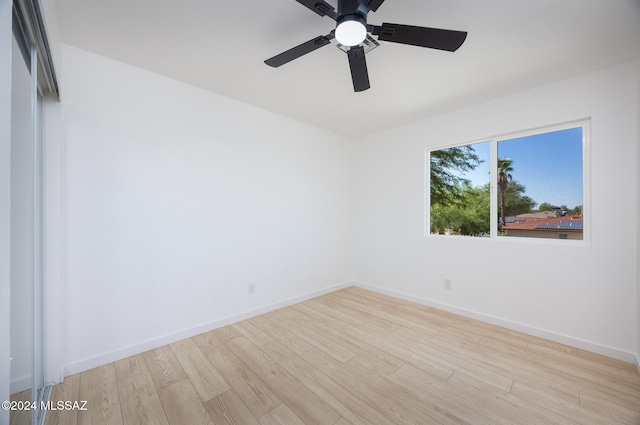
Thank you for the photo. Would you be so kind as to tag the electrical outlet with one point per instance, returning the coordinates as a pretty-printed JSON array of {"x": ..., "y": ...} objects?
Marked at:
[
  {"x": 252, "y": 288},
  {"x": 447, "y": 284}
]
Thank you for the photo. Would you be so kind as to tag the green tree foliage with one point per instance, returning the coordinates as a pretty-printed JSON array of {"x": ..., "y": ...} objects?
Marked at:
[
  {"x": 470, "y": 216},
  {"x": 448, "y": 167},
  {"x": 515, "y": 201},
  {"x": 504, "y": 177},
  {"x": 545, "y": 206}
]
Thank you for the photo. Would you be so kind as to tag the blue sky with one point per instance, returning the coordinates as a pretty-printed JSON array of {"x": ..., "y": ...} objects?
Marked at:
[{"x": 549, "y": 165}]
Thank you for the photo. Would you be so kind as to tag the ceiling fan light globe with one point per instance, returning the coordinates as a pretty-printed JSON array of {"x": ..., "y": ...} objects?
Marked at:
[{"x": 350, "y": 32}]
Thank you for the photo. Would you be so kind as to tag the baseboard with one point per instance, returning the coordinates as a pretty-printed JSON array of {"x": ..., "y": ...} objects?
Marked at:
[
  {"x": 20, "y": 384},
  {"x": 115, "y": 355},
  {"x": 519, "y": 327}
]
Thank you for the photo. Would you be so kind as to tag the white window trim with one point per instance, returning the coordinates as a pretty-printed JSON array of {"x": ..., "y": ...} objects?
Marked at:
[{"x": 493, "y": 141}]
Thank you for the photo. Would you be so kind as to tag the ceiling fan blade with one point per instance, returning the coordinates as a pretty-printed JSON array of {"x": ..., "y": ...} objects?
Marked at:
[
  {"x": 300, "y": 50},
  {"x": 321, "y": 7},
  {"x": 433, "y": 38},
  {"x": 371, "y": 4},
  {"x": 358, "y": 65}
]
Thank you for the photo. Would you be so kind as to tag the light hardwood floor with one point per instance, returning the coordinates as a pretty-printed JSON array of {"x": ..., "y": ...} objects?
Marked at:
[{"x": 356, "y": 357}]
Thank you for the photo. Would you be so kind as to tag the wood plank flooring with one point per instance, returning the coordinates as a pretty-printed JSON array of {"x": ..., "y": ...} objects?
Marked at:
[{"x": 356, "y": 357}]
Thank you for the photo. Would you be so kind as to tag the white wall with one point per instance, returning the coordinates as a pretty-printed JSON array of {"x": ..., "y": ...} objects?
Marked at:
[
  {"x": 585, "y": 296},
  {"x": 176, "y": 198}
]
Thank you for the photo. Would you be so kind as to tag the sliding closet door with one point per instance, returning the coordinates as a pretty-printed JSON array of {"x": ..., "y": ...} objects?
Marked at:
[
  {"x": 27, "y": 380},
  {"x": 22, "y": 217},
  {"x": 24, "y": 49}
]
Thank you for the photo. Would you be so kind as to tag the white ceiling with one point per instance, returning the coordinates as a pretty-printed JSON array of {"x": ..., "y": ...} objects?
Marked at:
[{"x": 513, "y": 45}]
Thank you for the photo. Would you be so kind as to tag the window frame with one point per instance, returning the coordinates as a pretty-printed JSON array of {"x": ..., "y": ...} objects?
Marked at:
[{"x": 493, "y": 141}]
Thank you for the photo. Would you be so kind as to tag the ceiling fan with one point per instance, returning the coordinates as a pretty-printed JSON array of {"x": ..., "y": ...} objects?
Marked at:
[{"x": 353, "y": 35}]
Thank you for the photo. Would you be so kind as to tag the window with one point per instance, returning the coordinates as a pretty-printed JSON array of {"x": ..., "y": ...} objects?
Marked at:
[
  {"x": 459, "y": 190},
  {"x": 529, "y": 184}
]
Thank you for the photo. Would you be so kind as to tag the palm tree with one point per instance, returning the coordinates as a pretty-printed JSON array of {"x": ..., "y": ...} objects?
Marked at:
[{"x": 504, "y": 177}]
